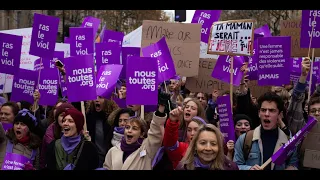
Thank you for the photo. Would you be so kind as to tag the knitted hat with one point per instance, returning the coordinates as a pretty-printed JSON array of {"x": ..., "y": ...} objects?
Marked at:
[
  {"x": 25, "y": 116},
  {"x": 239, "y": 117},
  {"x": 2, "y": 100},
  {"x": 77, "y": 116},
  {"x": 60, "y": 109}
]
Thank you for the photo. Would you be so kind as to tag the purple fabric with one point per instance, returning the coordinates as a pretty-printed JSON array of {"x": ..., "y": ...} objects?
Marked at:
[
  {"x": 308, "y": 16},
  {"x": 200, "y": 119},
  {"x": 119, "y": 130},
  {"x": 69, "y": 167},
  {"x": 130, "y": 148},
  {"x": 69, "y": 143},
  {"x": 198, "y": 164},
  {"x": 160, "y": 153},
  {"x": 2, "y": 100}
]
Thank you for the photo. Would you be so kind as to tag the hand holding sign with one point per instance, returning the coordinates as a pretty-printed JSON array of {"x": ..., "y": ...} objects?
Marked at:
[{"x": 305, "y": 65}]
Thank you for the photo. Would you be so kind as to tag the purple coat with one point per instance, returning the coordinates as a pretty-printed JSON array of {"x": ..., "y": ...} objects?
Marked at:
[{"x": 228, "y": 165}]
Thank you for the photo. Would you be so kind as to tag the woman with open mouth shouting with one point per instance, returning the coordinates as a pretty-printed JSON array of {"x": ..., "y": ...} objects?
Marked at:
[
  {"x": 192, "y": 108},
  {"x": 138, "y": 147},
  {"x": 205, "y": 151},
  {"x": 72, "y": 151},
  {"x": 21, "y": 140}
]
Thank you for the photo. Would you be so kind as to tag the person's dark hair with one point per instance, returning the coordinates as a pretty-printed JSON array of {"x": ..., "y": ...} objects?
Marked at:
[
  {"x": 122, "y": 111},
  {"x": 51, "y": 114},
  {"x": 271, "y": 97},
  {"x": 25, "y": 105},
  {"x": 234, "y": 97},
  {"x": 13, "y": 106},
  {"x": 313, "y": 100},
  {"x": 204, "y": 94}
]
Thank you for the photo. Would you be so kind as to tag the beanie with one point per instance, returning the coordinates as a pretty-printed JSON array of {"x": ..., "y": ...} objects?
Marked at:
[
  {"x": 2, "y": 100},
  {"x": 77, "y": 116},
  {"x": 60, "y": 109},
  {"x": 26, "y": 117},
  {"x": 239, "y": 117}
]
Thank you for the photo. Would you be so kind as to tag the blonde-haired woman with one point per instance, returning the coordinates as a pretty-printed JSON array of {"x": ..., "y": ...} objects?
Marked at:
[{"x": 205, "y": 151}]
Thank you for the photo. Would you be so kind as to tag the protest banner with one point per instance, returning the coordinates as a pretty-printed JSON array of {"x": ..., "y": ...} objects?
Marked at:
[
  {"x": 234, "y": 38},
  {"x": 226, "y": 118},
  {"x": 107, "y": 53},
  {"x": 113, "y": 36},
  {"x": 274, "y": 56},
  {"x": 6, "y": 81},
  {"x": 48, "y": 86},
  {"x": 310, "y": 32},
  {"x": 125, "y": 53},
  {"x": 81, "y": 41},
  {"x": 161, "y": 51},
  {"x": 91, "y": 22},
  {"x": 44, "y": 35},
  {"x": 183, "y": 41},
  {"x": 14, "y": 161}
]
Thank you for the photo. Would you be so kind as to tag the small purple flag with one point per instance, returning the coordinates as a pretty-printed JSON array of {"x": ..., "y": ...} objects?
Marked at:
[
  {"x": 127, "y": 52},
  {"x": 206, "y": 18},
  {"x": 161, "y": 51},
  {"x": 101, "y": 35},
  {"x": 81, "y": 83},
  {"x": 307, "y": 21},
  {"x": 107, "y": 53},
  {"x": 91, "y": 22},
  {"x": 48, "y": 86},
  {"x": 226, "y": 120},
  {"x": 14, "y": 162},
  {"x": 287, "y": 149},
  {"x": 222, "y": 69},
  {"x": 24, "y": 84},
  {"x": 44, "y": 35},
  {"x": 274, "y": 60},
  {"x": 142, "y": 75},
  {"x": 81, "y": 41},
  {"x": 10, "y": 46},
  {"x": 107, "y": 78},
  {"x": 113, "y": 36},
  {"x": 263, "y": 31},
  {"x": 6, "y": 126}
]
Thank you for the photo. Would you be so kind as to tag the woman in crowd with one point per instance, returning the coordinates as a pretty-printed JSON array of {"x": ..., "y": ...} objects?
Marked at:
[
  {"x": 138, "y": 146},
  {"x": 21, "y": 140},
  {"x": 205, "y": 151},
  {"x": 8, "y": 111},
  {"x": 72, "y": 151}
]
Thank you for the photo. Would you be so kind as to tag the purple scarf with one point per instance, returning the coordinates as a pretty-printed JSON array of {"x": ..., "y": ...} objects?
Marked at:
[
  {"x": 119, "y": 130},
  {"x": 129, "y": 148},
  {"x": 69, "y": 143},
  {"x": 198, "y": 164}
]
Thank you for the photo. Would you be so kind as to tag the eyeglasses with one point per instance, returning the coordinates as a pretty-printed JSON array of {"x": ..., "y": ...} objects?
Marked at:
[{"x": 313, "y": 111}]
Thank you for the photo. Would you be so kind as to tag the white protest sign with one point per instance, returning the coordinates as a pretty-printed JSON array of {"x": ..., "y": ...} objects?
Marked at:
[{"x": 234, "y": 38}]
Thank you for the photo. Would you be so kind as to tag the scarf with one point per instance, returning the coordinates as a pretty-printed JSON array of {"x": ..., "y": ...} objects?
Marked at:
[
  {"x": 119, "y": 130},
  {"x": 198, "y": 164},
  {"x": 25, "y": 140},
  {"x": 70, "y": 143},
  {"x": 129, "y": 148}
]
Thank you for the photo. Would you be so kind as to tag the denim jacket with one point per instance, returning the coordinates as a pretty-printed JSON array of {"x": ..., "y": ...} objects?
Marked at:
[{"x": 256, "y": 156}]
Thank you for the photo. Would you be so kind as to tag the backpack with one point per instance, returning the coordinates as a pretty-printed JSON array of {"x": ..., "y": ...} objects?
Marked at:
[{"x": 247, "y": 144}]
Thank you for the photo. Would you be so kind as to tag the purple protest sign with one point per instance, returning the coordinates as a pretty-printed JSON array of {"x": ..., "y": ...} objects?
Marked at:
[
  {"x": 161, "y": 51},
  {"x": 222, "y": 69},
  {"x": 101, "y": 35},
  {"x": 107, "y": 78},
  {"x": 81, "y": 83},
  {"x": 120, "y": 102},
  {"x": 127, "y": 52},
  {"x": 307, "y": 21},
  {"x": 253, "y": 63},
  {"x": 66, "y": 40},
  {"x": 10, "y": 53},
  {"x": 38, "y": 64},
  {"x": 58, "y": 55},
  {"x": 226, "y": 120},
  {"x": 206, "y": 18},
  {"x": 24, "y": 84},
  {"x": 142, "y": 75},
  {"x": 48, "y": 86},
  {"x": 91, "y": 22},
  {"x": 6, "y": 126},
  {"x": 81, "y": 41},
  {"x": 150, "y": 108},
  {"x": 14, "y": 162},
  {"x": 288, "y": 148},
  {"x": 44, "y": 35},
  {"x": 263, "y": 31},
  {"x": 113, "y": 36},
  {"x": 274, "y": 60},
  {"x": 295, "y": 70},
  {"x": 107, "y": 53}
]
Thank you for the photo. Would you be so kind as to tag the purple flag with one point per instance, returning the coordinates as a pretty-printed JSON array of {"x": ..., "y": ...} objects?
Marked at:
[
  {"x": 142, "y": 75},
  {"x": 38, "y": 64},
  {"x": 295, "y": 71},
  {"x": 127, "y": 52},
  {"x": 81, "y": 83},
  {"x": 226, "y": 120},
  {"x": 14, "y": 162},
  {"x": 161, "y": 51},
  {"x": 66, "y": 40},
  {"x": 120, "y": 102},
  {"x": 24, "y": 84},
  {"x": 101, "y": 35},
  {"x": 253, "y": 63},
  {"x": 44, "y": 35},
  {"x": 263, "y": 31},
  {"x": 58, "y": 55},
  {"x": 274, "y": 60},
  {"x": 6, "y": 126},
  {"x": 287, "y": 149},
  {"x": 91, "y": 22},
  {"x": 48, "y": 86},
  {"x": 10, "y": 53},
  {"x": 306, "y": 33},
  {"x": 81, "y": 41},
  {"x": 222, "y": 69},
  {"x": 107, "y": 78},
  {"x": 107, "y": 53},
  {"x": 206, "y": 18},
  {"x": 113, "y": 36}
]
